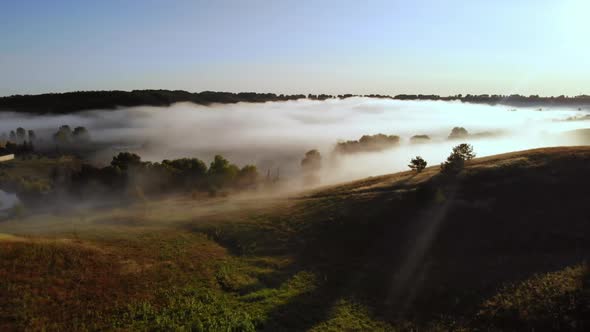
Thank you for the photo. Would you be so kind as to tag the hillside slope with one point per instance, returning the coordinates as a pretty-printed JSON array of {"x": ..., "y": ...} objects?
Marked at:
[
  {"x": 439, "y": 245},
  {"x": 502, "y": 245}
]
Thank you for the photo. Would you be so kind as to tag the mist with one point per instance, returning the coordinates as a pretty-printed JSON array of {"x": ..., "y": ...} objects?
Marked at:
[{"x": 275, "y": 135}]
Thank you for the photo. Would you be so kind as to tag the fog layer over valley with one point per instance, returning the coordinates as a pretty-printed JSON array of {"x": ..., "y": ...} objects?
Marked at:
[{"x": 275, "y": 135}]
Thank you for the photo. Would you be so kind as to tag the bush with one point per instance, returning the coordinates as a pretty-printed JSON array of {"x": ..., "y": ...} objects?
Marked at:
[{"x": 417, "y": 164}]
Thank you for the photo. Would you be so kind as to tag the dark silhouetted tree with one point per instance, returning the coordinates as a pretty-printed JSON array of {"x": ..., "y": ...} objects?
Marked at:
[
  {"x": 465, "y": 151},
  {"x": 417, "y": 164},
  {"x": 456, "y": 160}
]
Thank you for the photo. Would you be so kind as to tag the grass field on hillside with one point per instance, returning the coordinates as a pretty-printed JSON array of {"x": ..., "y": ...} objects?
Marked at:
[{"x": 501, "y": 246}]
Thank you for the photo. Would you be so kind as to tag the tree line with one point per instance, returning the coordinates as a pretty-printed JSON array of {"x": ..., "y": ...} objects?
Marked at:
[
  {"x": 19, "y": 141},
  {"x": 22, "y": 142},
  {"x": 128, "y": 176},
  {"x": 70, "y": 102},
  {"x": 127, "y": 171}
]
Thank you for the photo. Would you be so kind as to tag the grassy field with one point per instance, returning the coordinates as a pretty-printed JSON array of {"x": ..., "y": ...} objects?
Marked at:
[{"x": 501, "y": 246}]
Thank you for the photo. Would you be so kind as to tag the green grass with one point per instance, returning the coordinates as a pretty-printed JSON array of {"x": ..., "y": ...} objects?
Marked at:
[
  {"x": 557, "y": 299},
  {"x": 347, "y": 315}
]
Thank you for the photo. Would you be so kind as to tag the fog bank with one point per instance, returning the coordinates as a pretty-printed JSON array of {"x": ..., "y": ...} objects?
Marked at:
[{"x": 276, "y": 134}]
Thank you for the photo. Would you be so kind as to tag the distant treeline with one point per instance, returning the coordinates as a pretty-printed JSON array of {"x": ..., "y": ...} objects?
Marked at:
[
  {"x": 70, "y": 102},
  {"x": 514, "y": 100},
  {"x": 127, "y": 170}
]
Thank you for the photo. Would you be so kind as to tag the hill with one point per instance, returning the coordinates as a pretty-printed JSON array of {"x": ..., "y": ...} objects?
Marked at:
[{"x": 502, "y": 245}]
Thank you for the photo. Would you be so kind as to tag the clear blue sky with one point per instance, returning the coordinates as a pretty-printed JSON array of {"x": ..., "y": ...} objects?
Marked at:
[{"x": 390, "y": 47}]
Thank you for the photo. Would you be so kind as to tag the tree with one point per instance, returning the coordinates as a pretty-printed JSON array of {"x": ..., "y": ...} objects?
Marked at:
[
  {"x": 63, "y": 135},
  {"x": 126, "y": 160},
  {"x": 465, "y": 151},
  {"x": 12, "y": 136},
  {"x": 65, "y": 128},
  {"x": 458, "y": 132},
  {"x": 221, "y": 172},
  {"x": 418, "y": 164},
  {"x": 81, "y": 134},
  {"x": 419, "y": 139},
  {"x": 456, "y": 160},
  {"x": 312, "y": 161},
  {"x": 191, "y": 167},
  {"x": 219, "y": 165},
  {"x": 32, "y": 136},
  {"x": 247, "y": 176},
  {"x": 311, "y": 165},
  {"x": 21, "y": 134}
]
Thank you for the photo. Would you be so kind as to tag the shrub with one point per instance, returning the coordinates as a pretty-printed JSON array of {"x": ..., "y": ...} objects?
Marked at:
[{"x": 417, "y": 164}]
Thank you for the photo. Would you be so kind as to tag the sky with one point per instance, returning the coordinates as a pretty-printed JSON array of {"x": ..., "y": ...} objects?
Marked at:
[{"x": 385, "y": 47}]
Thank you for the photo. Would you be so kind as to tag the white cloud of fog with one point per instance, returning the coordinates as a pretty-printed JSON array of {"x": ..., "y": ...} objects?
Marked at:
[{"x": 277, "y": 134}]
